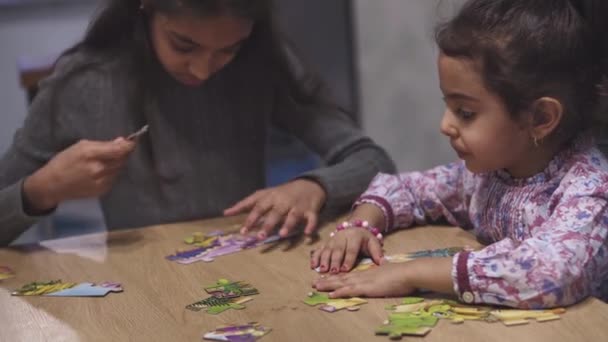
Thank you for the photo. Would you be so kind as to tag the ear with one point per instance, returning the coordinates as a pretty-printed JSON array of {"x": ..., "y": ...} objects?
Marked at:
[{"x": 547, "y": 113}]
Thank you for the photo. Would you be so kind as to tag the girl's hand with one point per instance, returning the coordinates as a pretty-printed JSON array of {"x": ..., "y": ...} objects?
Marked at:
[
  {"x": 290, "y": 203},
  {"x": 85, "y": 169},
  {"x": 390, "y": 280},
  {"x": 340, "y": 252}
]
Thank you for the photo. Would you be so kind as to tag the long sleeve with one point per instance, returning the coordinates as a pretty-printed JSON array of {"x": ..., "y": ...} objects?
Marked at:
[
  {"x": 351, "y": 159},
  {"x": 560, "y": 264},
  {"x": 421, "y": 197},
  {"x": 44, "y": 133}
]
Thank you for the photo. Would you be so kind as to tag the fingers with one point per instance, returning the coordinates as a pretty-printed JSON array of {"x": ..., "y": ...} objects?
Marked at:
[
  {"x": 259, "y": 210},
  {"x": 290, "y": 223},
  {"x": 108, "y": 151},
  {"x": 311, "y": 222},
  {"x": 374, "y": 250},
  {"x": 337, "y": 256},
  {"x": 350, "y": 257},
  {"x": 271, "y": 219},
  {"x": 343, "y": 285},
  {"x": 315, "y": 258},
  {"x": 243, "y": 205}
]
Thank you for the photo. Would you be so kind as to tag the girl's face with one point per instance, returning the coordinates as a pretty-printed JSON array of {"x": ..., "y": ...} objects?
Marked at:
[
  {"x": 192, "y": 49},
  {"x": 480, "y": 129}
]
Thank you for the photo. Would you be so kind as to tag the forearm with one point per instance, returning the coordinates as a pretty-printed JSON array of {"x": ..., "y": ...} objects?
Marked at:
[
  {"x": 346, "y": 179},
  {"x": 13, "y": 219},
  {"x": 38, "y": 198},
  {"x": 433, "y": 274}
]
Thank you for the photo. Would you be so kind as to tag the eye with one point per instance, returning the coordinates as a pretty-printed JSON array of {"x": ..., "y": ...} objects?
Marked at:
[
  {"x": 181, "y": 47},
  {"x": 464, "y": 114}
]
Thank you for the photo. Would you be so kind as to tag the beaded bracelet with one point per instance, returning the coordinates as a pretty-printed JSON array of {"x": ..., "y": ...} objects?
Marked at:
[{"x": 358, "y": 224}]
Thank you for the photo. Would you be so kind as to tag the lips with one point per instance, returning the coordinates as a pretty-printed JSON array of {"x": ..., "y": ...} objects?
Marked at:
[
  {"x": 458, "y": 150},
  {"x": 193, "y": 82}
]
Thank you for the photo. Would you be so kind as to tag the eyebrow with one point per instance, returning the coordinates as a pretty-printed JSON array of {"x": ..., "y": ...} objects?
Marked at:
[
  {"x": 191, "y": 42},
  {"x": 460, "y": 96}
]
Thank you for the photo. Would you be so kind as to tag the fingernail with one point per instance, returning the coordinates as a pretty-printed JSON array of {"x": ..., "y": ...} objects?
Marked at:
[
  {"x": 334, "y": 270},
  {"x": 344, "y": 268},
  {"x": 283, "y": 232},
  {"x": 262, "y": 235},
  {"x": 323, "y": 267}
]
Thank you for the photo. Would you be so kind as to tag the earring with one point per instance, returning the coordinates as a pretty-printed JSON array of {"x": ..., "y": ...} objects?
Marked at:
[{"x": 535, "y": 139}]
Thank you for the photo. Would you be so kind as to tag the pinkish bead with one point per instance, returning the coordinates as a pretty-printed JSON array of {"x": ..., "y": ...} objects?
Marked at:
[
  {"x": 365, "y": 224},
  {"x": 358, "y": 223}
]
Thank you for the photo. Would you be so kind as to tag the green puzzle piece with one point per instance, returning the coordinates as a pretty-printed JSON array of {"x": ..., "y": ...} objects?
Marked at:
[{"x": 316, "y": 298}]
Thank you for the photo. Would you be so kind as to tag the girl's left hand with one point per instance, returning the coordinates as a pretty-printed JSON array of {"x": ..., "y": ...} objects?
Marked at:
[
  {"x": 388, "y": 280},
  {"x": 289, "y": 203}
]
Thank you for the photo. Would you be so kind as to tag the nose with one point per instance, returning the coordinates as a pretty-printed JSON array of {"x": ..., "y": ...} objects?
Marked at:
[
  {"x": 447, "y": 126},
  {"x": 201, "y": 68}
]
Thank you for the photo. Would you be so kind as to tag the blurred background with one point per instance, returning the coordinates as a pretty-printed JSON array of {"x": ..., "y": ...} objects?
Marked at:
[{"x": 378, "y": 57}]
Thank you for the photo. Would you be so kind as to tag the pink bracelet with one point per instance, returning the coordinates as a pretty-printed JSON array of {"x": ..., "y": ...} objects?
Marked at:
[{"x": 358, "y": 224}]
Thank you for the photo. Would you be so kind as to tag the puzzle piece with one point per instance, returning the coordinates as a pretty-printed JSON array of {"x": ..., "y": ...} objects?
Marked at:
[
  {"x": 6, "y": 272},
  {"x": 333, "y": 305},
  {"x": 57, "y": 288},
  {"x": 229, "y": 289},
  {"x": 245, "y": 332},
  {"x": 416, "y": 317},
  {"x": 215, "y": 305},
  {"x": 213, "y": 245}
]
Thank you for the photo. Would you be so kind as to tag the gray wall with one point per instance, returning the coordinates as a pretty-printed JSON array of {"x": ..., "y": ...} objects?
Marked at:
[{"x": 400, "y": 101}]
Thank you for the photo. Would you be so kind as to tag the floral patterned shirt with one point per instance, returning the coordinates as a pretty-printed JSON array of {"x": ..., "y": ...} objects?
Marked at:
[{"x": 546, "y": 235}]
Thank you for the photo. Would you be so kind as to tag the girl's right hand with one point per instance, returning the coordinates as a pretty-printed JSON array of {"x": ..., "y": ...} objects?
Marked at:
[
  {"x": 85, "y": 169},
  {"x": 339, "y": 254}
]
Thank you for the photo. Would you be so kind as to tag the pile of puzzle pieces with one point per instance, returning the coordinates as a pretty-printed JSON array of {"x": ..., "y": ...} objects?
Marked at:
[
  {"x": 416, "y": 316},
  {"x": 333, "y": 305},
  {"x": 225, "y": 295},
  {"x": 57, "y": 288},
  {"x": 242, "y": 333}
]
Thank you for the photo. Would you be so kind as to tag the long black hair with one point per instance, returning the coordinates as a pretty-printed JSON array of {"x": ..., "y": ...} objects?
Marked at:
[
  {"x": 120, "y": 28},
  {"x": 528, "y": 49}
]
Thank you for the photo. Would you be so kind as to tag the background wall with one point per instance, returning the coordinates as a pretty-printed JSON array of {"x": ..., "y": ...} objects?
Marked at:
[{"x": 400, "y": 100}]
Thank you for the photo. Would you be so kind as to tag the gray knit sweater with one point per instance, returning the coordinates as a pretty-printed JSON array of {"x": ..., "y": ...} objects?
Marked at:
[{"x": 204, "y": 151}]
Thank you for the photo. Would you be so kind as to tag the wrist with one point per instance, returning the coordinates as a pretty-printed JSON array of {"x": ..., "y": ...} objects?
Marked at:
[
  {"x": 360, "y": 224},
  {"x": 369, "y": 212},
  {"x": 38, "y": 193}
]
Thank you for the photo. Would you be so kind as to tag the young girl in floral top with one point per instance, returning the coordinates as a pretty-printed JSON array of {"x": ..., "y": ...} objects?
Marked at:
[{"x": 521, "y": 81}]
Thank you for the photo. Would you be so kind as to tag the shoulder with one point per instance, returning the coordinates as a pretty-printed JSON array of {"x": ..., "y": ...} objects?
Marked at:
[
  {"x": 587, "y": 174},
  {"x": 82, "y": 71}
]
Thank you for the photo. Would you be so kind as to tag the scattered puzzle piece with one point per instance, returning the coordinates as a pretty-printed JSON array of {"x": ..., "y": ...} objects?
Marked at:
[
  {"x": 415, "y": 317},
  {"x": 243, "y": 333},
  {"x": 57, "y": 288},
  {"x": 333, "y": 305},
  {"x": 214, "y": 305},
  {"x": 230, "y": 289},
  {"x": 6, "y": 272},
  {"x": 225, "y": 295}
]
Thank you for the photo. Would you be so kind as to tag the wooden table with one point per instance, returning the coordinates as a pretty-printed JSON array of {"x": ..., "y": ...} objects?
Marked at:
[{"x": 156, "y": 292}]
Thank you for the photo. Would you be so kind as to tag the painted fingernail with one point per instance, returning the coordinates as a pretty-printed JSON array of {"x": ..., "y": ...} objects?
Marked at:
[
  {"x": 334, "y": 270},
  {"x": 262, "y": 235},
  {"x": 323, "y": 267},
  {"x": 344, "y": 268},
  {"x": 244, "y": 230}
]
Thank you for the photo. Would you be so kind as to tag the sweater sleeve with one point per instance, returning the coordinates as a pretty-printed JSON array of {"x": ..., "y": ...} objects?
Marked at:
[
  {"x": 556, "y": 266},
  {"x": 46, "y": 130},
  {"x": 350, "y": 158},
  {"x": 422, "y": 197}
]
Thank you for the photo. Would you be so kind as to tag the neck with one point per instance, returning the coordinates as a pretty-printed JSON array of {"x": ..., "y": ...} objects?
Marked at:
[{"x": 535, "y": 161}]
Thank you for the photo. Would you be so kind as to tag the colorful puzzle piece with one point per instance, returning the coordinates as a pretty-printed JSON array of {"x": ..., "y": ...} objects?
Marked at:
[
  {"x": 333, "y": 305},
  {"x": 243, "y": 333},
  {"x": 213, "y": 245},
  {"x": 6, "y": 272},
  {"x": 214, "y": 305},
  {"x": 225, "y": 288},
  {"x": 57, "y": 288},
  {"x": 416, "y": 317},
  {"x": 225, "y": 294}
]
